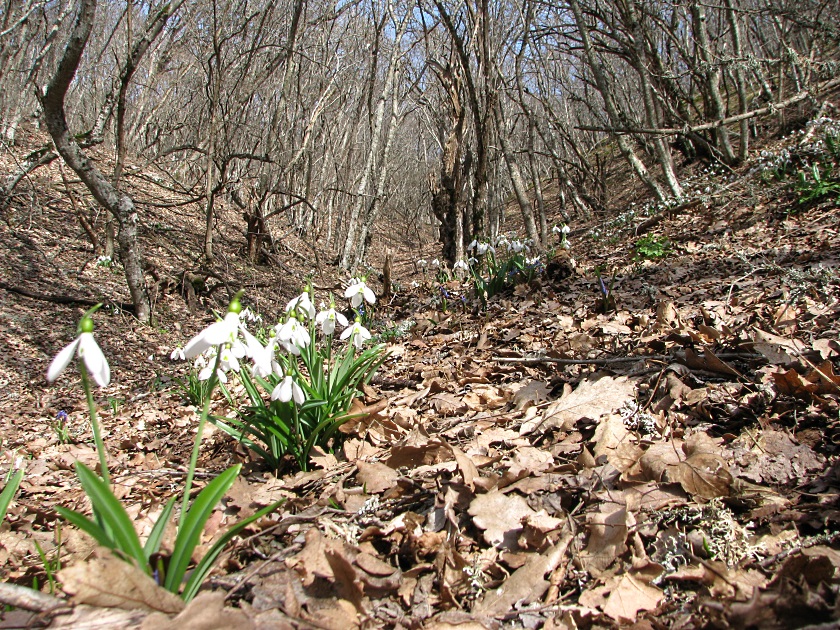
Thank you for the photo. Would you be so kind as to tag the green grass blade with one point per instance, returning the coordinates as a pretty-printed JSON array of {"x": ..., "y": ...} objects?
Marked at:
[
  {"x": 86, "y": 525},
  {"x": 107, "y": 507},
  {"x": 153, "y": 541},
  {"x": 190, "y": 530},
  {"x": 206, "y": 564},
  {"x": 9, "y": 492}
]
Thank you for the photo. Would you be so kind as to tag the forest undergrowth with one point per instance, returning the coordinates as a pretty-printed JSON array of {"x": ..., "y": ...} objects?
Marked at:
[{"x": 640, "y": 426}]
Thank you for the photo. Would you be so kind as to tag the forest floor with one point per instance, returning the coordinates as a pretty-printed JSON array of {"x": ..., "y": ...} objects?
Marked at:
[{"x": 657, "y": 449}]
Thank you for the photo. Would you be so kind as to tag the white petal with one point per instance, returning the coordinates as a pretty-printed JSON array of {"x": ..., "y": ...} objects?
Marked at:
[
  {"x": 95, "y": 361},
  {"x": 61, "y": 360},
  {"x": 347, "y": 332},
  {"x": 340, "y": 318},
  {"x": 369, "y": 295},
  {"x": 297, "y": 393}
]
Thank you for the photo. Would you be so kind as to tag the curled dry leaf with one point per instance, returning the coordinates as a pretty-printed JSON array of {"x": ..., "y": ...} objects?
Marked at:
[
  {"x": 607, "y": 539},
  {"x": 592, "y": 399},
  {"x": 376, "y": 477},
  {"x": 109, "y": 582}
]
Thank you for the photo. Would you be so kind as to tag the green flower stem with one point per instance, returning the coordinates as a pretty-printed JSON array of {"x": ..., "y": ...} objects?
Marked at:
[
  {"x": 214, "y": 379},
  {"x": 94, "y": 423}
]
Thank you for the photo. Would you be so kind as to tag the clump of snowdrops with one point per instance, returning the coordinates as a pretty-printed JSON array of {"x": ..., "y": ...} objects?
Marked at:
[
  {"x": 301, "y": 380},
  {"x": 110, "y": 524}
]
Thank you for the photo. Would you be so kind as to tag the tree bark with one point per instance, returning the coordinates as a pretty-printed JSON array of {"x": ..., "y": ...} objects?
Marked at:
[{"x": 117, "y": 203}]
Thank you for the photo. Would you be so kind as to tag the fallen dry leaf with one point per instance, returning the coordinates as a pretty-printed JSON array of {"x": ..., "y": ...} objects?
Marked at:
[
  {"x": 500, "y": 516},
  {"x": 109, "y": 582},
  {"x": 630, "y": 596}
]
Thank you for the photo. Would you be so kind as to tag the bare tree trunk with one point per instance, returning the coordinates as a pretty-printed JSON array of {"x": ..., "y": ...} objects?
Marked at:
[
  {"x": 519, "y": 188},
  {"x": 711, "y": 71},
  {"x": 350, "y": 242},
  {"x": 119, "y": 204},
  {"x": 637, "y": 60},
  {"x": 740, "y": 80},
  {"x": 605, "y": 88}
]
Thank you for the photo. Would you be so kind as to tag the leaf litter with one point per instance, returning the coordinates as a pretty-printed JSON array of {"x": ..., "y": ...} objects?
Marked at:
[{"x": 669, "y": 462}]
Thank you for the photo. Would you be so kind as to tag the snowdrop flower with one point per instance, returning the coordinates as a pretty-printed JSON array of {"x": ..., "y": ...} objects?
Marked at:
[
  {"x": 85, "y": 348},
  {"x": 177, "y": 354},
  {"x": 517, "y": 247},
  {"x": 461, "y": 265},
  {"x": 301, "y": 304},
  {"x": 248, "y": 314},
  {"x": 215, "y": 334},
  {"x": 229, "y": 360},
  {"x": 565, "y": 244},
  {"x": 327, "y": 319},
  {"x": 358, "y": 333},
  {"x": 422, "y": 263},
  {"x": 435, "y": 263},
  {"x": 293, "y": 335},
  {"x": 472, "y": 260},
  {"x": 287, "y": 390},
  {"x": 357, "y": 291},
  {"x": 483, "y": 248},
  {"x": 472, "y": 245},
  {"x": 263, "y": 357}
]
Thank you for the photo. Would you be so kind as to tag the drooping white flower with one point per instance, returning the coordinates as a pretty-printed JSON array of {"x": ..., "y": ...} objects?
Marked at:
[
  {"x": 293, "y": 334},
  {"x": 301, "y": 304},
  {"x": 472, "y": 245},
  {"x": 422, "y": 263},
  {"x": 435, "y": 263},
  {"x": 263, "y": 357},
  {"x": 177, "y": 354},
  {"x": 215, "y": 334},
  {"x": 358, "y": 291},
  {"x": 287, "y": 390},
  {"x": 460, "y": 264},
  {"x": 358, "y": 334},
  {"x": 85, "y": 348},
  {"x": 250, "y": 315},
  {"x": 328, "y": 319}
]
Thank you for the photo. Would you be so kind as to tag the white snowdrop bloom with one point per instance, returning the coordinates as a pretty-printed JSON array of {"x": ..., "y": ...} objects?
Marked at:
[
  {"x": 435, "y": 263},
  {"x": 178, "y": 354},
  {"x": 358, "y": 291},
  {"x": 287, "y": 390},
  {"x": 85, "y": 348},
  {"x": 301, "y": 304},
  {"x": 461, "y": 265},
  {"x": 358, "y": 334},
  {"x": 215, "y": 334},
  {"x": 328, "y": 319},
  {"x": 294, "y": 333},
  {"x": 422, "y": 263}
]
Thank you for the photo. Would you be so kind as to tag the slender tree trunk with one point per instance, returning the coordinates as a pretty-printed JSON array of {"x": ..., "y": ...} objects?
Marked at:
[
  {"x": 519, "y": 187},
  {"x": 711, "y": 71},
  {"x": 637, "y": 60},
  {"x": 604, "y": 86},
  {"x": 740, "y": 80},
  {"x": 119, "y": 204},
  {"x": 353, "y": 224}
]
